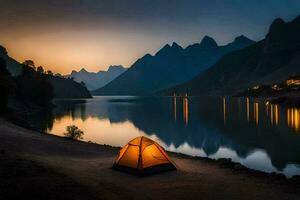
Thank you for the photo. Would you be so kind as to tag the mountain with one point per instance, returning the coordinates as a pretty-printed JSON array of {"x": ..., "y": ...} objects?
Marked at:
[
  {"x": 62, "y": 87},
  {"x": 96, "y": 80},
  {"x": 270, "y": 60},
  {"x": 171, "y": 65}
]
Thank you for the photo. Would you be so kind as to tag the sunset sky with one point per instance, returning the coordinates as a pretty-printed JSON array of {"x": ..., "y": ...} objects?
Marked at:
[{"x": 64, "y": 35}]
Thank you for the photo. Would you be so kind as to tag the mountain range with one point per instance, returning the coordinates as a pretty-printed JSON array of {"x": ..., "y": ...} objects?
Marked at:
[
  {"x": 201, "y": 68},
  {"x": 270, "y": 60},
  {"x": 170, "y": 66},
  {"x": 93, "y": 80}
]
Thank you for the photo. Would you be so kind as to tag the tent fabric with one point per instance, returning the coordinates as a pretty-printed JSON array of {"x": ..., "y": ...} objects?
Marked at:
[{"x": 143, "y": 155}]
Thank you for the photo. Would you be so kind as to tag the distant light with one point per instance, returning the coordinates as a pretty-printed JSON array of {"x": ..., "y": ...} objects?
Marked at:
[{"x": 255, "y": 87}]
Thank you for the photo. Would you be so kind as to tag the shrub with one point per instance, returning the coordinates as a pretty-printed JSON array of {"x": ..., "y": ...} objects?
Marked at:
[{"x": 74, "y": 133}]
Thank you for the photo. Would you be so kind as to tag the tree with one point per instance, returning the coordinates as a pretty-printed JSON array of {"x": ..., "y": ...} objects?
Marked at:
[
  {"x": 74, "y": 133},
  {"x": 58, "y": 75},
  {"x": 40, "y": 69},
  {"x": 49, "y": 72},
  {"x": 83, "y": 84},
  {"x": 29, "y": 63},
  {"x": 33, "y": 88},
  {"x": 7, "y": 85},
  {"x": 3, "y": 50}
]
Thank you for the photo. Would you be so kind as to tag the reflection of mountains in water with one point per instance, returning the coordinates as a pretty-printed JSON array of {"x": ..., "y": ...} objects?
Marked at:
[{"x": 205, "y": 123}]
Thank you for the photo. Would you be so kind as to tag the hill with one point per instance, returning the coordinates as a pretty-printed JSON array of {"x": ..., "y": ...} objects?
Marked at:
[
  {"x": 62, "y": 87},
  {"x": 67, "y": 88},
  {"x": 12, "y": 65}
]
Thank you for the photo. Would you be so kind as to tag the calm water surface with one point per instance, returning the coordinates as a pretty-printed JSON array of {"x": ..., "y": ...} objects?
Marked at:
[{"x": 253, "y": 132}]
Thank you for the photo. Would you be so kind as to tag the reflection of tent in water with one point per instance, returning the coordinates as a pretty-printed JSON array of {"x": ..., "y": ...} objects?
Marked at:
[{"x": 143, "y": 156}]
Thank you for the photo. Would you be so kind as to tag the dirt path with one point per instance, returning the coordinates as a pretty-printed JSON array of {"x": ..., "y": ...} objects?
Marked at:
[{"x": 90, "y": 166}]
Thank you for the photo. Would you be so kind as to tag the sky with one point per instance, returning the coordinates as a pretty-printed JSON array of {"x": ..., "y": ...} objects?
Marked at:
[{"x": 66, "y": 35}]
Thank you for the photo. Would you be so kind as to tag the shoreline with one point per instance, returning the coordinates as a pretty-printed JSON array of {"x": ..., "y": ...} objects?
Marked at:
[
  {"x": 284, "y": 99},
  {"x": 228, "y": 162},
  {"x": 89, "y": 164}
]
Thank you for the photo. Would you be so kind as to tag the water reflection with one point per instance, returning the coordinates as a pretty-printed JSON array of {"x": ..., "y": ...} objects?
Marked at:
[
  {"x": 293, "y": 120},
  {"x": 99, "y": 130},
  {"x": 175, "y": 107},
  {"x": 185, "y": 106},
  {"x": 248, "y": 108},
  {"x": 251, "y": 131},
  {"x": 256, "y": 112},
  {"x": 224, "y": 109}
]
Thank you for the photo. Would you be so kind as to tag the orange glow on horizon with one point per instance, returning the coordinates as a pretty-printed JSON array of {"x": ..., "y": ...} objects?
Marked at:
[
  {"x": 64, "y": 56},
  {"x": 65, "y": 50}
]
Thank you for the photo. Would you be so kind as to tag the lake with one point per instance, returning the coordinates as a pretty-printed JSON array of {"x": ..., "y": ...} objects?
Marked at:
[{"x": 250, "y": 131}]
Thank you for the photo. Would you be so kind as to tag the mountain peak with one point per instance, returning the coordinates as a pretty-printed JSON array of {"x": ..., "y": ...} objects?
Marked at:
[
  {"x": 281, "y": 34},
  {"x": 167, "y": 49},
  {"x": 167, "y": 46},
  {"x": 241, "y": 38},
  {"x": 297, "y": 19},
  {"x": 240, "y": 42},
  {"x": 83, "y": 70},
  {"x": 176, "y": 46},
  {"x": 276, "y": 24},
  {"x": 278, "y": 21},
  {"x": 146, "y": 56},
  {"x": 208, "y": 42}
]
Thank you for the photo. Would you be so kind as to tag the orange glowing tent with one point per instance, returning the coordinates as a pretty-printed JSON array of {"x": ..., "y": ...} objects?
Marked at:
[{"x": 143, "y": 156}]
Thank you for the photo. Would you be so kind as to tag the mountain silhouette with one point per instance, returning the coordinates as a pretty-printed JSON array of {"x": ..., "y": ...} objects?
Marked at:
[
  {"x": 208, "y": 43},
  {"x": 270, "y": 60},
  {"x": 96, "y": 80},
  {"x": 170, "y": 66}
]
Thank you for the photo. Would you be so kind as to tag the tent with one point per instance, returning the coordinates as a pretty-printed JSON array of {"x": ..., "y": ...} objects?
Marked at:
[{"x": 143, "y": 156}]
